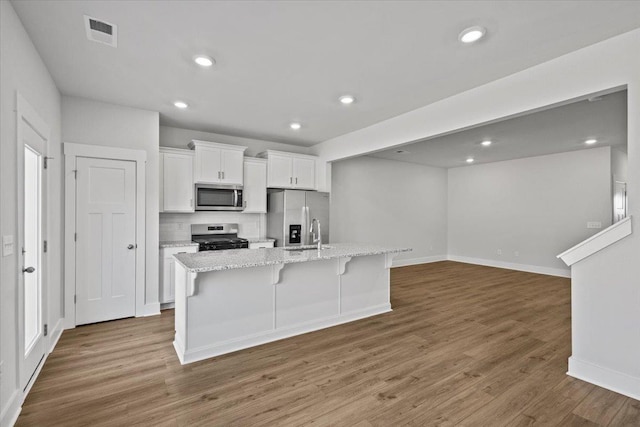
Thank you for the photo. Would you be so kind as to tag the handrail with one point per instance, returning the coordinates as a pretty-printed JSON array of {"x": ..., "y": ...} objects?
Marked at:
[{"x": 597, "y": 242}]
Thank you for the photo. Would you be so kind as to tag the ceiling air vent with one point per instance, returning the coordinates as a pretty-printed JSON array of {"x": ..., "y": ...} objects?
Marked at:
[{"x": 101, "y": 31}]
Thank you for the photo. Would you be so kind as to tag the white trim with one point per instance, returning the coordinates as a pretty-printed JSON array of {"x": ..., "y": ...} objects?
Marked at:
[
  {"x": 416, "y": 261},
  {"x": 512, "y": 266},
  {"x": 11, "y": 411},
  {"x": 55, "y": 334},
  {"x": 597, "y": 242},
  {"x": 208, "y": 351},
  {"x": 71, "y": 152},
  {"x": 198, "y": 143},
  {"x": 167, "y": 305},
  {"x": 604, "y": 377},
  {"x": 150, "y": 309}
]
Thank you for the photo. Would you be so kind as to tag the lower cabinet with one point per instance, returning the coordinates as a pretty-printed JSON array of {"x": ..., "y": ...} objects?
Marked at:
[
  {"x": 260, "y": 245},
  {"x": 167, "y": 271}
]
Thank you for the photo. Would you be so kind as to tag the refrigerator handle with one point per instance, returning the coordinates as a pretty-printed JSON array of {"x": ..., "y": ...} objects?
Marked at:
[{"x": 305, "y": 226}]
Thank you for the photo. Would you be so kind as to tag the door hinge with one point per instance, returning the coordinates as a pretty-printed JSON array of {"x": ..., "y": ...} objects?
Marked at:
[
  {"x": 46, "y": 161},
  {"x": 75, "y": 173},
  {"x": 75, "y": 237},
  {"x": 45, "y": 246},
  {"x": 46, "y": 329},
  {"x": 75, "y": 299}
]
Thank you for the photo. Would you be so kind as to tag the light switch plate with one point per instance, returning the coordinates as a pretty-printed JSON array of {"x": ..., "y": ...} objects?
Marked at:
[
  {"x": 7, "y": 245},
  {"x": 594, "y": 224}
]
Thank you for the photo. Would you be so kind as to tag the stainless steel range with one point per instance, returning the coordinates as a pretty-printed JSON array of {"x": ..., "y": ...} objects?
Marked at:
[{"x": 217, "y": 237}]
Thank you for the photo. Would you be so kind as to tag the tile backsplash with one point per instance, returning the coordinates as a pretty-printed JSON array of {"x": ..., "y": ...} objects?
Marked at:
[{"x": 177, "y": 226}]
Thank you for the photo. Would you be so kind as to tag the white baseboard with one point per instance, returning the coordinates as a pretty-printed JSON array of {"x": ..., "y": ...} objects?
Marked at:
[
  {"x": 208, "y": 351},
  {"x": 416, "y": 261},
  {"x": 151, "y": 309},
  {"x": 604, "y": 377},
  {"x": 12, "y": 410},
  {"x": 56, "y": 333},
  {"x": 560, "y": 272}
]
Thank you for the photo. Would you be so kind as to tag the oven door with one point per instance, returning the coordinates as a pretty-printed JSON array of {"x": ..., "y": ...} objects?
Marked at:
[{"x": 213, "y": 198}]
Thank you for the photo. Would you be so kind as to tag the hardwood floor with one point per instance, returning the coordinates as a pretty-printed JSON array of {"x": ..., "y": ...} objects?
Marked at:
[{"x": 465, "y": 345}]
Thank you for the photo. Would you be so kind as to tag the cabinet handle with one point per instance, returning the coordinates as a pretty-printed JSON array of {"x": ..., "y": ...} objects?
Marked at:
[
  {"x": 296, "y": 180},
  {"x": 290, "y": 180},
  {"x": 222, "y": 174}
]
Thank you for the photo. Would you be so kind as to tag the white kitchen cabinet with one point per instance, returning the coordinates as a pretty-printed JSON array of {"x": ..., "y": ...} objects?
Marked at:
[
  {"x": 260, "y": 245},
  {"x": 255, "y": 185},
  {"x": 218, "y": 163},
  {"x": 176, "y": 180},
  {"x": 167, "y": 271},
  {"x": 290, "y": 170}
]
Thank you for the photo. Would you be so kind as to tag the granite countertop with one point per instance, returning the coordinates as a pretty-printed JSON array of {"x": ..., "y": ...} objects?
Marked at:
[
  {"x": 240, "y": 258},
  {"x": 176, "y": 243}
]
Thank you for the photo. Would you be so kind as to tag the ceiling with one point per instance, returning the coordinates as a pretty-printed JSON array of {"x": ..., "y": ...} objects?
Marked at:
[
  {"x": 550, "y": 131},
  {"x": 278, "y": 62}
]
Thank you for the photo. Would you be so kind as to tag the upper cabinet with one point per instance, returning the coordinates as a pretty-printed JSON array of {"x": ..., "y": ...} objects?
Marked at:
[
  {"x": 176, "y": 180},
  {"x": 290, "y": 170},
  {"x": 218, "y": 163},
  {"x": 255, "y": 185}
]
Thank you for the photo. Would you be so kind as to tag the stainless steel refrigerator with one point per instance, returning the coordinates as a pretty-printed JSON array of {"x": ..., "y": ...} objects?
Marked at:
[{"x": 289, "y": 216}]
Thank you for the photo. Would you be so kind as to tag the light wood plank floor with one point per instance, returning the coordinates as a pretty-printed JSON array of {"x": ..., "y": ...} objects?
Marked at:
[{"x": 465, "y": 345}]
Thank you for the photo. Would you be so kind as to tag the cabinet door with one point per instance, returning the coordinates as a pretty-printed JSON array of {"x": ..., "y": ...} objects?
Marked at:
[
  {"x": 280, "y": 171},
  {"x": 232, "y": 162},
  {"x": 255, "y": 187},
  {"x": 208, "y": 161},
  {"x": 177, "y": 191},
  {"x": 304, "y": 173}
]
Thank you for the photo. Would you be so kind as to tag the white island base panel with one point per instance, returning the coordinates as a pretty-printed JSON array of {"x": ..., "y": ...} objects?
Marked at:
[{"x": 219, "y": 312}]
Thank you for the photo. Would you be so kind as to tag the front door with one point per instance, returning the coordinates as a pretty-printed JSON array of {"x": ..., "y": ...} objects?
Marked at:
[
  {"x": 32, "y": 146},
  {"x": 105, "y": 239}
]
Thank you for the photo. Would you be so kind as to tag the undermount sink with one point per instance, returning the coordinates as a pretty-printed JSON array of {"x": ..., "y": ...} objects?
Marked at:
[{"x": 305, "y": 248}]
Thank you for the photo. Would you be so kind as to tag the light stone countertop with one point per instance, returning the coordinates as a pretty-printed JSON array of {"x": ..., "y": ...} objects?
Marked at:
[
  {"x": 176, "y": 243},
  {"x": 241, "y": 258}
]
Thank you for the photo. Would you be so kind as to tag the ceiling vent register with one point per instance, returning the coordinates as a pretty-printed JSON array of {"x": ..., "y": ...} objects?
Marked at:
[{"x": 101, "y": 31}]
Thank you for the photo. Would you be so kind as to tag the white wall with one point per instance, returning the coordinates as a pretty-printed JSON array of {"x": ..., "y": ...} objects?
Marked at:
[
  {"x": 530, "y": 209},
  {"x": 90, "y": 122},
  {"x": 22, "y": 70},
  {"x": 179, "y": 138},
  {"x": 392, "y": 203},
  {"x": 619, "y": 164}
]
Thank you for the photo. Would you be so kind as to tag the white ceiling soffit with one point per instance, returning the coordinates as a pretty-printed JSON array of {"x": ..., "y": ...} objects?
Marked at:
[
  {"x": 555, "y": 130},
  {"x": 278, "y": 62}
]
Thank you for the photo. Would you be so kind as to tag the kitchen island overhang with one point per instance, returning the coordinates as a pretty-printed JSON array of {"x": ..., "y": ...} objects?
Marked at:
[{"x": 232, "y": 300}]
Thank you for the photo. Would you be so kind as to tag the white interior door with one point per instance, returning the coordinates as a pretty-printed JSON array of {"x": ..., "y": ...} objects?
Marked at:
[
  {"x": 32, "y": 150},
  {"x": 105, "y": 239}
]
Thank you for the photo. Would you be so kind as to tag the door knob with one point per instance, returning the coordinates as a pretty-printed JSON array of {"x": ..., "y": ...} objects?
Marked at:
[
  {"x": 28, "y": 270},
  {"x": 131, "y": 246}
]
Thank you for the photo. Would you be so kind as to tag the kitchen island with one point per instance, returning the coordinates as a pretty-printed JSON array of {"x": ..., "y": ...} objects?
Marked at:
[{"x": 235, "y": 299}]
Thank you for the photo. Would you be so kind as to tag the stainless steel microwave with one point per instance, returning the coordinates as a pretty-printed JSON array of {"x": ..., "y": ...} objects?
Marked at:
[{"x": 218, "y": 198}]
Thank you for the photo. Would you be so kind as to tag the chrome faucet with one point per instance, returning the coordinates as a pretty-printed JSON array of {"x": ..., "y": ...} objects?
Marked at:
[{"x": 316, "y": 238}]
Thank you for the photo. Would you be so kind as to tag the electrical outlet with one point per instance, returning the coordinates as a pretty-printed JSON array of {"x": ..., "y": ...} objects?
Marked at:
[
  {"x": 594, "y": 224},
  {"x": 499, "y": 251},
  {"x": 180, "y": 225},
  {"x": 516, "y": 253}
]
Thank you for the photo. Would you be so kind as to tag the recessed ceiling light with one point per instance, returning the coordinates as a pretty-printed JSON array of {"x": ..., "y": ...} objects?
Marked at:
[
  {"x": 295, "y": 125},
  {"x": 471, "y": 34},
  {"x": 486, "y": 143},
  {"x": 591, "y": 141},
  {"x": 203, "y": 60},
  {"x": 181, "y": 104},
  {"x": 470, "y": 160},
  {"x": 347, "y": 99},
  {"x": 401, "y": 152},
  {"x": 595, "y": 99}
]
